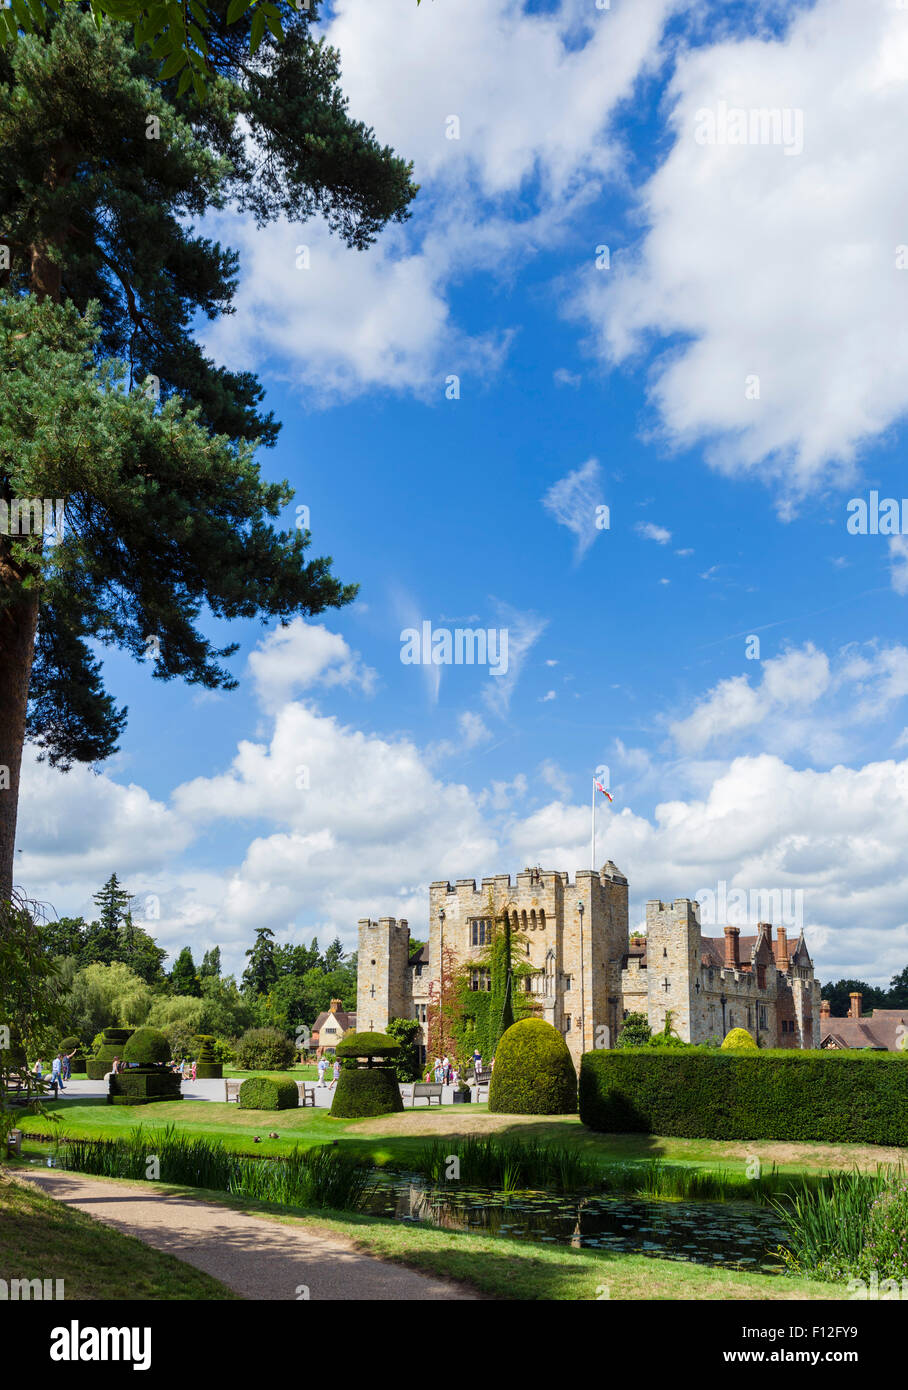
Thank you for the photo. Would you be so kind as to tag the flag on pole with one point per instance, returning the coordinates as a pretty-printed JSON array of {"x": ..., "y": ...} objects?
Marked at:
[{"x": 604, "y": 790}]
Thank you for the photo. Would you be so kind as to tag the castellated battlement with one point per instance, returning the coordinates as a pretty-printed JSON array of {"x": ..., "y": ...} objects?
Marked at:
[{"x": 391, "y": 924}]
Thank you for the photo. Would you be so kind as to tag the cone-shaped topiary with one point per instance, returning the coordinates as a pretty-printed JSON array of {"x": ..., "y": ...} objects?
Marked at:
[
  {"x": 148, "y": 1047},
  {"x": 207, "y": 1064},
  {"x": 113, "y": 1041},
  {"x": 739, "y": 1040},
  {"x": 534, "y": 1072}
]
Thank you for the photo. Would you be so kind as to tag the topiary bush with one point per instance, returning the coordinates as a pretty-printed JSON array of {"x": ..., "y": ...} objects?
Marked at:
[
  {"x": 207, "y": 1064},
  {"x": 68, "y": 1045},
  {"x": 738, "y": 1039},
  {"x": 268, "y": 1093},
  {"x": 534, "y": 1072},
  {"x": 148, "y": 1047},
  {"x": 748, "y": 1093},
  {"x": 264, "y": 1049},
  {"x": 111, "y": 1044},
  {"x": 366, "y": 1046},
  {"x": 143, "y": 1085},
  {"x": 366, "y": 1091}
]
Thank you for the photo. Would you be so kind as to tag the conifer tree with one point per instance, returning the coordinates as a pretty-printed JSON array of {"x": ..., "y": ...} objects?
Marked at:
[{"x": 109, "y": 403}]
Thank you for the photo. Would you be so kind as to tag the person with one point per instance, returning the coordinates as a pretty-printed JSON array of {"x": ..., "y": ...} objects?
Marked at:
[
  {"x": 336, "y": 1071},
  {"x": 194, "y": 1065},
  {"x": 322, "y": 1068},
  {"x": 455, "y": 1079},
  {"x": 39, "y": 1068},
  {"x": 445, "y": 1069},
  {"x": 67, "y": 1057},
  {"x": 56, "y": 1071},
  {"x": 477, "y": 1061},
  {"x": 115, "y": 1066},
  {"x": 492, "y": 1065}
]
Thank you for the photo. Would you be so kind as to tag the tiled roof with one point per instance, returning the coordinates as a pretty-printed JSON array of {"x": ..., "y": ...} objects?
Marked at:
[{"x": 879, "y": 1029}]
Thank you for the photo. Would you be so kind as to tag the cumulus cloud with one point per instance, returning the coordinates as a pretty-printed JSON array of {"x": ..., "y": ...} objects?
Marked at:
[
  {"x": 651, "y": 532},
  {"x": 300, "y": 655},
  {"x": 806, "y": 295}
]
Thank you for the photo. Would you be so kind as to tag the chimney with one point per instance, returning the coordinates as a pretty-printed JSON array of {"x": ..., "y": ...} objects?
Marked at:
[
  {"x": 732, "y": 959},
  {"x": 335, "y": 1005},
  {"x": 781, "y": 948},
  {"x": 855, "y": 1010},
  {"x": 825, "y": 1008}
]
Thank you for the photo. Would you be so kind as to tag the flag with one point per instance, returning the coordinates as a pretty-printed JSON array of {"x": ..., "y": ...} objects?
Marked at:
[{"x": 604, "y": 791}]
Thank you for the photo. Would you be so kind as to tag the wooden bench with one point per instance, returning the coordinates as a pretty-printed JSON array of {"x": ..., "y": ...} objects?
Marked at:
[
  {"x": 426, "y": 1090},
  {"x": 482, "y": 1092},
  {"x": 232, "y": 1091},
  {"x": 307, "y": 1092}
]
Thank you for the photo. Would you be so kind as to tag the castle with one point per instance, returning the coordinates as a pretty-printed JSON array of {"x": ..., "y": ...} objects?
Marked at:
[{"x": 586, "y": 973}]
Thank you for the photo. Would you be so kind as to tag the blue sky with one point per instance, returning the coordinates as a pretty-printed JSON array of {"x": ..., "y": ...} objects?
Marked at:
[{"x": 629, "y": 386}]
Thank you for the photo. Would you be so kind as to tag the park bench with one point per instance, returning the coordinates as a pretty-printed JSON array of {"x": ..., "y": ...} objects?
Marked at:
[
  {"x": 482, "y": 1091},
  {"x": 426, "y": 1090},
  {"x": 21, "y": 1086},
  {"x": 232, "y": 1090},
  {"x": 307, "y": 1092}
]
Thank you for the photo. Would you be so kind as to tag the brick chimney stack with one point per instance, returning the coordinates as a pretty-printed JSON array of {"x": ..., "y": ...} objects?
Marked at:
[
  {"x": 781, "y": 948},
  {"x": 855, "y": 1010},
  {"x": 825, "y": 1008},
  {"x": 335, "y": 1005},
  {"x": 732, "y": 958}
]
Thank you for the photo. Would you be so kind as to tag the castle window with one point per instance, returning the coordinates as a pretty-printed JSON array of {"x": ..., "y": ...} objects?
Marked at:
[
  {"x": 567, "y": 1023},
  {"x": 542, "y": 919},
  {"x": 480, "y": 932},
  {"x": 480, "y": 979},
  {"x": 567, "y": 982}
]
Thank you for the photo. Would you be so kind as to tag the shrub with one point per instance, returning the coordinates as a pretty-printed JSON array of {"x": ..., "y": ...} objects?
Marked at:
[
  {"x": 268, "y": 1093},
  {"x": 635, "y": 1031},
  {"x": 148, "y": 1047},
  {"x": 143, "y": 1085},
  {"x": 107, "y": 1045},
  {"x": 829, "y": 1097},
  {"x": 534, "y": 1072},
  {"x": 367, "y": 1045},
  {"x": 739, "y": 1039},
  {"x": 366, "y": 1091},
  {"x": 264, "y": 1048},
  {"x": 405, "y": 1031},
  {"x": 208, "y": 1066}
]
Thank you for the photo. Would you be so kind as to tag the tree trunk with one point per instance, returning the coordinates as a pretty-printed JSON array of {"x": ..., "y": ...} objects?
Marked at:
[{"x": 18, "y": 623}]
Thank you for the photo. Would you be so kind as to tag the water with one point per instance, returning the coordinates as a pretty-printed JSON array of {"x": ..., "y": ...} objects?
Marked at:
[{"x": 735, "y": 1235}]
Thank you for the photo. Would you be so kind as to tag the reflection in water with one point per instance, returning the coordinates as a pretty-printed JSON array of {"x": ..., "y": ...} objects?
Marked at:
[{"x": 734, "y": 1234}]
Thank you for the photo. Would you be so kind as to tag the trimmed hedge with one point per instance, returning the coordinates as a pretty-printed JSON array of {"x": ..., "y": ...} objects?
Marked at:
[
  {"x": 366, "y": 1091},
  {"x": 143, "y": 1085},
  {"x": 354, "y": 1045},
  {"x": 113, "y": 1041},
  {"x": 268, "y": 1093},
  {"x": 828, "y": 1097},
  {"x": 534, "y": 1072},
  {"x": 148, "y": 1047},
  {"x": 207, "y": 1066}
]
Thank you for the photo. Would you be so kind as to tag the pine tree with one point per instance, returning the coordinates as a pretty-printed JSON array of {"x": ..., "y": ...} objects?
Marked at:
[
  {"x": 261, "y": 972},
  {"x": 211, "y": 964},
  {"x": 115, "y": 409},
  {"x": 183, "y": 978},
  {"x": 103, "y": 942}
]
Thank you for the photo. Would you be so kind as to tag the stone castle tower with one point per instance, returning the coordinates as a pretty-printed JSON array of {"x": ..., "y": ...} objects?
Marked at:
[{"x": 586, "y": 974}]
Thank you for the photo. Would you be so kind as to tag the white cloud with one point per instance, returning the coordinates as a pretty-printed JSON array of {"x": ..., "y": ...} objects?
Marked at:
[
  {"x": 524, "y": 631},
  {"x": 573, "y": 500},
  {"x": 807, "y": 294},
  {"x": 652, "y": 532},
  {"x": 898, "y": 563},
  {"x": 300, "y": 655}
]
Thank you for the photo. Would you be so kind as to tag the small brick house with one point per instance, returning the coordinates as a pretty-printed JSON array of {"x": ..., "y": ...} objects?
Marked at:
[{"x": 330, "y": 1027}]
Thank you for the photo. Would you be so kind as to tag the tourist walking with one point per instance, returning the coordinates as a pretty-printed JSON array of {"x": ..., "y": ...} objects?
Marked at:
[
  {"x": 336, "y": 1071},
  {"x": 322, "y": 1068},
  {"x": 38, "y": 1069},
  {"x": 67, "y": 1057},
  {"x": 56, "y": 1071}
]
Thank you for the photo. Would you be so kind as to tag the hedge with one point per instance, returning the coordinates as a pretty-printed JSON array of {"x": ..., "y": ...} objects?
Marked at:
[
  {"x": 264, "y": 1048},
  {"x": 534, "y": 1072},
  {"x": 143, "y": 1085},
  {"x": 269, "y": 1093},
  {"x": 366, "y": 1091},
  {"x": 148, "y": 1047},
  {"x": 829, "y": 1097},
  {"x": 355, "y": 1045},
  {"x": 113, "y": 1041},
  {"x": 207, "y": 1065}
]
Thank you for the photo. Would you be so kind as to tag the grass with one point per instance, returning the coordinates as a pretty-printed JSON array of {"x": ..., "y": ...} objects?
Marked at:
[
  {"x": 827, "y": 1225},
  {"x": 42, "y": 1238}
]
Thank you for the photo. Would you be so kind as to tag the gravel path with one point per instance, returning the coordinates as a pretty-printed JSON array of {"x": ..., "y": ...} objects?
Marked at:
[{"x": 259, "y": 1259}]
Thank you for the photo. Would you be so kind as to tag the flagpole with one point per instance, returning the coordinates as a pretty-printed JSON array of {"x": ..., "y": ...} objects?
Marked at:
[{"x": 593, "y": 829}]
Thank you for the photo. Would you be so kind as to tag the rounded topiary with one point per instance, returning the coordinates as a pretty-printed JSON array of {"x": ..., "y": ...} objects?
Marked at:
[
  {"x": 534, "y": 1072},
  {"x": 207, "y": 1065},
  {"x": 356, "y": 1046},
  {"x": 366, "y": 1091},
  {"x": 148, "y": 1047},
  {"x": 268, "y": 1093},
  {"x": 739, "y": 1040},
  {"x": 264, "y": 1048}
]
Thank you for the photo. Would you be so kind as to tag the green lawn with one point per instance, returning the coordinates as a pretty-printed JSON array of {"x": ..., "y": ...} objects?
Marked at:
[
  {"x": 41, "y": 1238},
  {"x": 395, "y": 1139}
]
